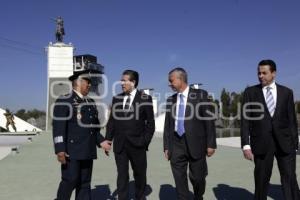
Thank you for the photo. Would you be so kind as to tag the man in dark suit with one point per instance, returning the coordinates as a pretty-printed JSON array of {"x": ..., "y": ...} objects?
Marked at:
[
  {"x": 131, "y": 127},
  {"x": 268, "y": 129},
  {"x": 189, "y": 135},
  {"x": 76, "y": 132}
]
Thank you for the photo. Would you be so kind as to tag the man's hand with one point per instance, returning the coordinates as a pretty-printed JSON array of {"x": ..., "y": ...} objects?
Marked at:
[
  {"x": 166, "y": 152},
  {"x": 248, "y": 154},
  {"x": 61, "y": 157},
  {"x": 106, "y": 145},
  {"x": 210, "y": 152}
]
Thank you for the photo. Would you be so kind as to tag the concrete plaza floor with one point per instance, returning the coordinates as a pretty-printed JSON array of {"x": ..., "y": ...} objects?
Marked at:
[{"x": 34, "y": 174}]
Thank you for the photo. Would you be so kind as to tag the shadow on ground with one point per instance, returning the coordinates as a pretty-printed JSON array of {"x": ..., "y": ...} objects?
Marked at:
[
  {"x": 104, "y": 192},
  {"x": 167, "y": 192},
  {"x": 223, "y": 191}
]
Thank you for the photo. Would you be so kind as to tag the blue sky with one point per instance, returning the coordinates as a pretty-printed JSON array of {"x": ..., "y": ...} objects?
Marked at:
[{"x": 218, "y": 42}]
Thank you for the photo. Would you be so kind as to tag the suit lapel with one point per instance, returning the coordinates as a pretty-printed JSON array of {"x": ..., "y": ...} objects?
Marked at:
[
  {"x": 261, "y": 99},
  {"x": 173, "y": 109},
  {"x": 119, "y": 106},
  {"x": 278, "y": 100},
  {"x": 136, "y": 100},
  {"x": 189, "y": 104}
]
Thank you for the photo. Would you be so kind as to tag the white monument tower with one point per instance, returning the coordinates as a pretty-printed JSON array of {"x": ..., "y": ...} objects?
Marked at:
[
  {"x": 61, "y": 64},
  {"x": 60, "y": 67}
]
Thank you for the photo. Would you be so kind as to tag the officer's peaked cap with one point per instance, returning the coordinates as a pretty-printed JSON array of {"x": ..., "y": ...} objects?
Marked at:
[{"x": 85, "y": 74}]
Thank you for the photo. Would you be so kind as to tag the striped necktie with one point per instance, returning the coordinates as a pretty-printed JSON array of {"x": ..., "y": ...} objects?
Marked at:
[
  {"x": 180, "y": 116},
  {"x": 270, "y": 101}
]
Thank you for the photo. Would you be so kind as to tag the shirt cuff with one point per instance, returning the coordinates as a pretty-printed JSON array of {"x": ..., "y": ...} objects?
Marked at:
[{"x": 246, "y": 147}]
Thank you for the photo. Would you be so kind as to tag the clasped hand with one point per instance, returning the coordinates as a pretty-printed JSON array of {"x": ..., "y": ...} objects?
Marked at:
[{"x": 106, "y": 145}]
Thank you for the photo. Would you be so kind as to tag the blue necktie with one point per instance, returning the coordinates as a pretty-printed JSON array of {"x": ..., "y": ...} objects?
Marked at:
[
  {"x": 270, "y": 101},
  {"x": 180, "y": 117}
]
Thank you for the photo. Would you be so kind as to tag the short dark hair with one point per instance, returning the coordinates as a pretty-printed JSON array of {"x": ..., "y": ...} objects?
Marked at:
[
  {"x": 271, "y": 63},
  {"x": 182, "y": 73},
  {"x": 133, "y": 76}
]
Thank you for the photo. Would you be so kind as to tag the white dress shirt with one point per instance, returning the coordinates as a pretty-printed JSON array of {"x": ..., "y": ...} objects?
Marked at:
[
  {"x": 132, "y": 95},
  {"x": 273, "y": 91},
  {"x": 185, "y": 94}
]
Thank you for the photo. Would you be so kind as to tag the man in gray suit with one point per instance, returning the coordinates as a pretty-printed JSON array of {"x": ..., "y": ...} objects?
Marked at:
[{"x": 189, "y": 134}]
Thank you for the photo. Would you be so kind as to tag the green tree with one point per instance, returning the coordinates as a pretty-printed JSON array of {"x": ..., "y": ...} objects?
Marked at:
[
  {"x": 230, "y": 108},
  {"x": 236, "y": 100},
  {"x": 34, "y": 113},
  {"x": 225, "y": 100},
  {"x": 21, "y": 114},
  {"x": 217, "y": 105},
  {"x": 225, "y": 107}
]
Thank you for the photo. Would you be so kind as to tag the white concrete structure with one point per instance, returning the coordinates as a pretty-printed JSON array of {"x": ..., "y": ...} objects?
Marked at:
[
  {"x": 60, "y": 60},
  {"x": 159, "y": 125},
  {"x": 154, "y": 100},
  {"x": 230, "y": 142},
  {"x": 155, "y": 105},
  {"x": 60, "y": 67},
  {"x": 20, "y": 124}
]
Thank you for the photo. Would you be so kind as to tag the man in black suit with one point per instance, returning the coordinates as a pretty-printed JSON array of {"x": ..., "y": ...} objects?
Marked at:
[
  {"x": 131, "y": 126},
  {"x": 189, "y": 134},
  {"x": 268, "y": 129},
  {"x": 76, "y": 132}
]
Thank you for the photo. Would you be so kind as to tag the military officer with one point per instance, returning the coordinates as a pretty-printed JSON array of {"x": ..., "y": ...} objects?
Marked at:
[{"x": 76, "y": 133}]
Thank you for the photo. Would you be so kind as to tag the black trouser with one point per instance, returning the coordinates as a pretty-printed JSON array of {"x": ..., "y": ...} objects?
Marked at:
[
  {"x": 180, "y": 159},
  {"x": 76, "y": 174},
  {"x": 138, "y": 160},
  {"x": 287, "y": 168}
]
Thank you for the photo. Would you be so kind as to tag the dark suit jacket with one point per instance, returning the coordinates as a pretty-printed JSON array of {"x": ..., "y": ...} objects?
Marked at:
[
  {"x": 282, "y": 126},
  {"x": 200, "y": 133},
  {"x": 76, "y": 128},
  {"x": 136, "y": 126}
]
